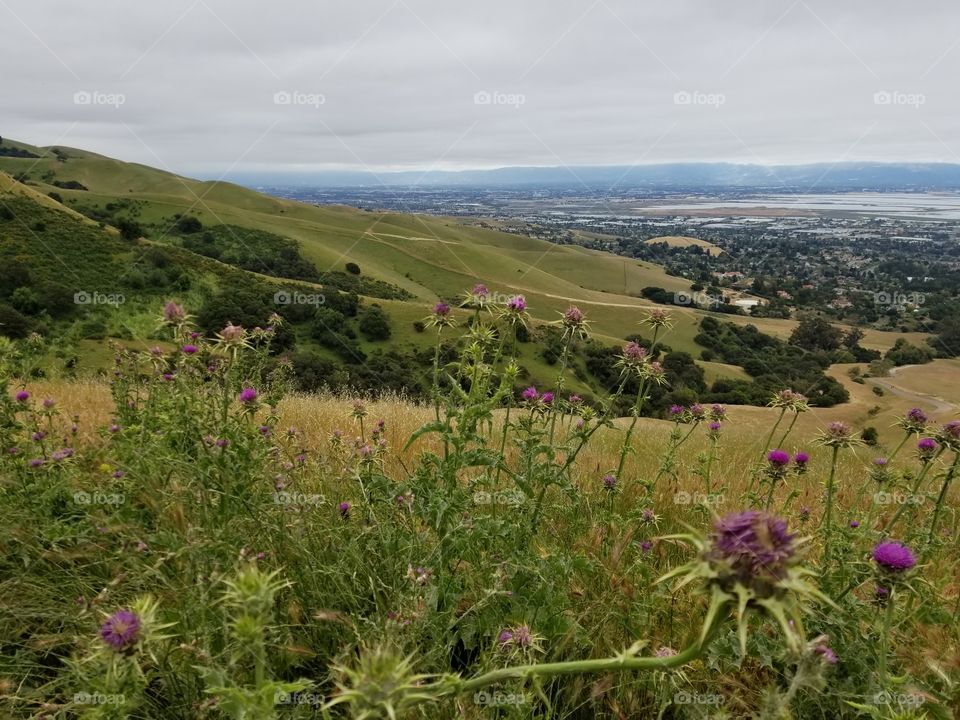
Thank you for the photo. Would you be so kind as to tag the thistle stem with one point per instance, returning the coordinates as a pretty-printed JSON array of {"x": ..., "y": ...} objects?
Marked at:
[{"x": 943, "y": 495}]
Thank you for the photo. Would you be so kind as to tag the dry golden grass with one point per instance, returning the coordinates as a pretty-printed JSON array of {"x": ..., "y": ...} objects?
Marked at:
[
  {"x": 684, "y": 241},
  {"x": 742, "y": 445}
]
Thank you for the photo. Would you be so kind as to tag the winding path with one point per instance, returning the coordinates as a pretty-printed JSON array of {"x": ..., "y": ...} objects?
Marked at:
[{"x": 940, "y": 405}]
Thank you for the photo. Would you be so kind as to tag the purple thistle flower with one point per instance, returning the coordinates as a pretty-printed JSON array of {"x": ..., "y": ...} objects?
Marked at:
[
  {"x": 248, "y": 395},
  {"x": 517, "y": 304},
  {"x": 714, "y": 426},
  {"x": 344, "y": 509},
  {"x": 609, "y": 482},
  {"x": 575, "y": 399},
  {"x": 718, "y": 412},
  {"x": 646, "y": 546},
  {"x": 827, "y": 653},
  {"x": 926, "y": 447},
  {"x": 480, "y": 291},
  {"x": 778, "y": 458},
  {"x": 880, "y": 462},
  {"x": 751, "y": 544},
  {"x": 22, "y": 396},
  {"x": 804, "y": 513},
  {"x": 36, "y": 462},
  {"x": 174, "y": 313},
  {"x": 49, "y": 403},
  {"x": 697, "y": 411},
  {"x": 893, "y": 556},
  {"x": 676, "y": 410},
  {"x": 121, "y": 630},
  {"x": 114, "y": 429},
  {"x": 530, "y": 394},
  {"x": 573, "y": 317},
  {"x": 441, "y": 309},
  {"x": 222, "y": 442},
  {"x": 880, "y": 593},
  {"x": 505, "y": 637},
  {"x": 547, "y": 398},
  {"x": 918, "y": 416},
  {"x": 38, "y": 436},
  {"x": 189, "y": 349},
  {"x": 168, "y": 377},
  {"x": 634, "y": 353},
  {"x": 801, "y": 458},
  {"x": 854, "y": 524}
]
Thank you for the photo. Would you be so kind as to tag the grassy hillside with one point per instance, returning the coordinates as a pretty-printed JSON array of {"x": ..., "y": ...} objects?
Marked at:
[{"x": 429, "y": 257}]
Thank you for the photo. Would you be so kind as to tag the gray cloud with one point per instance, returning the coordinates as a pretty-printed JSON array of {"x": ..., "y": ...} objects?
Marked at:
[{"x": 428, "y": 84}]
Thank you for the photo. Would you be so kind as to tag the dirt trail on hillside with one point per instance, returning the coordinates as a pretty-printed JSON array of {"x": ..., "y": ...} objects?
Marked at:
[{"x": 940, "y": 405}]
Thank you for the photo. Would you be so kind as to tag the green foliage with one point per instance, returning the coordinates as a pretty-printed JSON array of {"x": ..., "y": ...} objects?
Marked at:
[
  {"x": 374, "y": 323},
  {"x": 272, "y": 576}
]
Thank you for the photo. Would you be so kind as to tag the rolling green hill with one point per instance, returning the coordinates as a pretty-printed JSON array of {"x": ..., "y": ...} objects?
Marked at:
[{"x": 420, "y": 258}]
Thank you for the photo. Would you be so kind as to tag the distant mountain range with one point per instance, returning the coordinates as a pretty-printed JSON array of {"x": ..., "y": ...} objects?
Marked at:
[{"x": 803, "y": 178}]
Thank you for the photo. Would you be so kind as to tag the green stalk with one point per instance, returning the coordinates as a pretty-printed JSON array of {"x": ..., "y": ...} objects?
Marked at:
[
  {"x": 828, "y": 518},
  {"x": 793, "y": 422},
  {"x": 914, "y": 491},
  {"x": 571, "y": 667},
  {"x": 885, "y": 639},
  {"x": 943, "y": 495}
]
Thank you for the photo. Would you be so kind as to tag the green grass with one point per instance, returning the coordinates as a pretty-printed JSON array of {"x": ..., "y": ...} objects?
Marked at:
[{"x": 429, "y": 257}]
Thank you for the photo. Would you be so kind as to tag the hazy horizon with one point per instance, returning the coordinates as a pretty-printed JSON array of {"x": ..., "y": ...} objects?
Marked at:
[{"x": 210, "y": 87}]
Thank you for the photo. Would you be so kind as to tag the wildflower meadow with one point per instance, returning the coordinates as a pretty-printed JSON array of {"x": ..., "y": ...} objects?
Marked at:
[{"x": 195, "y": 556}]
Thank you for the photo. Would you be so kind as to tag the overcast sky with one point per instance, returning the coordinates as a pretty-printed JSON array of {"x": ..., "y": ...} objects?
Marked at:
[{"x": 206, "y": 86}]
